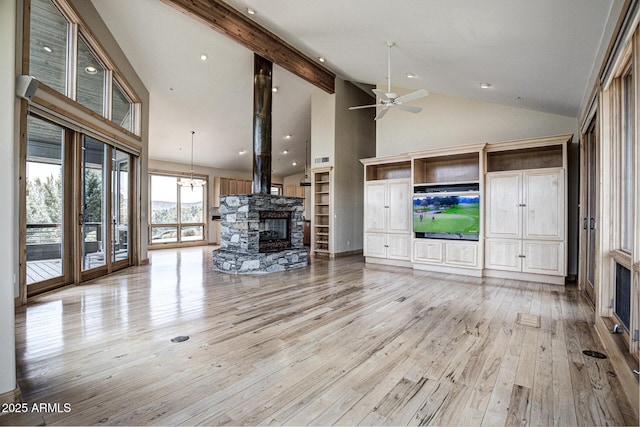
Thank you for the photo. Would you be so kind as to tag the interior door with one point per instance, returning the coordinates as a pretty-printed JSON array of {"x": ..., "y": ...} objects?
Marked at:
[{"x": 589, "y": 221}]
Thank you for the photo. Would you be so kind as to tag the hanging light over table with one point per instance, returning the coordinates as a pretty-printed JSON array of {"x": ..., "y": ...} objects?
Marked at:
[{"x": 191, "y": 181}]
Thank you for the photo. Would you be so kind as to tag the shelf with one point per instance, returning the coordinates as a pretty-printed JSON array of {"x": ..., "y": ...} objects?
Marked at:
[
  {"x": 321, "y": 210},
  {"x": 393, "y": 170},
  {"x": 436, "y": 184},
  {"x": 456, "y": 168},
  {"x": 526, "y": 158}
]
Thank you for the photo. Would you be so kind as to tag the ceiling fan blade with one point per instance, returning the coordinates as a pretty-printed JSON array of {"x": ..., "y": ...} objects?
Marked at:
[
  {"x": 413, "y": 95},
  {"x": 383, "y": 96},
  {"x": 364, "y": 106},
  {"x": 410, "y": 108},
  {"x": 382, "y": 113}
]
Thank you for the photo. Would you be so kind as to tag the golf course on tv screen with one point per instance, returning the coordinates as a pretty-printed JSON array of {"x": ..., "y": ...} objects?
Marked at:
[{"x": 447, "y": 216}]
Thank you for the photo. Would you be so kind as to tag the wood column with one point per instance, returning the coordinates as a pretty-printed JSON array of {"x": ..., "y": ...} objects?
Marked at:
[{"x": 262, "y": 71}]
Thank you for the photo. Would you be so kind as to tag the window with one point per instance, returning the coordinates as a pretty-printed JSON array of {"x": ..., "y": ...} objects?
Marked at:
[
  {"x": 177, "y": 212},
  {"x": 626, "y": 161},
  {"x": 91, "y": 79},
  {"x": 122, "y": 108},
  {"x": 48, "y": 45},
  {"x": 79, "y": 73}
]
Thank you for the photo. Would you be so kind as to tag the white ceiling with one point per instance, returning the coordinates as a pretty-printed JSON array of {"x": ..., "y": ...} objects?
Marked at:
[{"x": 537, "y": 55}]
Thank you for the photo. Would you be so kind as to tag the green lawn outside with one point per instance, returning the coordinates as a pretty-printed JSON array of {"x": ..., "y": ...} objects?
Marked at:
[{"x": 463, "y": 218}]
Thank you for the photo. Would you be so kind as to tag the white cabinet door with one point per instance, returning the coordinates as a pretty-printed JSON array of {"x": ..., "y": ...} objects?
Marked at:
[
  {"x": 543, "y": 197},
  {"x": 543, "y": 257},
  {"x": 428, "y": 251},
  {"x": 503, "y": 213},
  {"x": 375, "y": 245},
  {"x": 503, "y": 254},
  {"x": 399, "y": 210},
  {"x": 399, "y": 246},
  {"x": 375, "y": 206},
  {"x": 461, "y": 253}
]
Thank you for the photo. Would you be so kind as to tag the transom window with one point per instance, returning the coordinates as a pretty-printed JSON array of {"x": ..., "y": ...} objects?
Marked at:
[{"x": 63, "y": 56}]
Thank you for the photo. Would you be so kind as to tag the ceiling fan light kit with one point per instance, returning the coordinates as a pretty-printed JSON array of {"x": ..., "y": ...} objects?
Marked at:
[{"x": 389, "y": 99}]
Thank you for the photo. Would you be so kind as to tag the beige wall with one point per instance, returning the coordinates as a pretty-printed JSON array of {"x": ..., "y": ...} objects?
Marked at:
[
  {"x": 355, "y": 139},
  {"x": 447, "y": 121},
  {"x": 345, "y": 137},
  {"x": 8, "y": 195}
]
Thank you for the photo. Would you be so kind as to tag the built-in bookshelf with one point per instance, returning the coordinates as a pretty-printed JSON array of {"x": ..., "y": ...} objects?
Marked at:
[{"x": 321, "y": 225}]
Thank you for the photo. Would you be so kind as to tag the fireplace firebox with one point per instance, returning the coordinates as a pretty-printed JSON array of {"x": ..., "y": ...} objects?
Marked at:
[{"x": 274, "y": 231}]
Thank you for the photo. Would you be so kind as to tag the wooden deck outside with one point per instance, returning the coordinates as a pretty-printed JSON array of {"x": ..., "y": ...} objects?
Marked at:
[
  {"x": 339, "y": 342},
  {"x": 38, "y": 271}
]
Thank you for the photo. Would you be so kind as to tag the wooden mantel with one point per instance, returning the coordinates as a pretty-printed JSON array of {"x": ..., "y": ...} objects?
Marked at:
[{"x": 223, "y": 18}]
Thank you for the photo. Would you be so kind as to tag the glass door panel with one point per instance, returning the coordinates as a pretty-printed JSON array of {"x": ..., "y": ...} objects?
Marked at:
[
  {"x": 120, "y": 205},
  {"x": 589, "y": 221},
  {"x": 45, "y": 243},
  {"x": 93, "y": 210}
]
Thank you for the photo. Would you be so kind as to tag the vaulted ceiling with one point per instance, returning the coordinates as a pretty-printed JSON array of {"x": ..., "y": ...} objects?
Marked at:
[{"x": 537, "y": 55}]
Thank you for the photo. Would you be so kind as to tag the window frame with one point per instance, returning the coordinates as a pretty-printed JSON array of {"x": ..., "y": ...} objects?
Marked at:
[
  {"x": 179, "y": 224},
  {"x": 76, "y": 30}
]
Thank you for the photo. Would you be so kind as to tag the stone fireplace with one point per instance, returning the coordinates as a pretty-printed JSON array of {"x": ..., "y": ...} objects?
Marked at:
[{"x": 260, "y": 233}]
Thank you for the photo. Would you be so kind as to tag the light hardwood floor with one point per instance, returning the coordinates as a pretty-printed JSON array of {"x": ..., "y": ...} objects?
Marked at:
[{"x": 339, "y": 342}]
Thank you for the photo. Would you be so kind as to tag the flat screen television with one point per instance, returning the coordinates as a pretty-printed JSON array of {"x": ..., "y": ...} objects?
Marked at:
[{"x": 452, "y": 216}]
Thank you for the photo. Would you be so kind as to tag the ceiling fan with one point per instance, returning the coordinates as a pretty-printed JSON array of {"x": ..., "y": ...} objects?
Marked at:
[{"x": 390, "y": 99}]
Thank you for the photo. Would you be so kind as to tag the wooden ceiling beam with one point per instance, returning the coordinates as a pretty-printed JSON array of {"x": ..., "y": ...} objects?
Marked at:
[{"x": 223, "y": 18}]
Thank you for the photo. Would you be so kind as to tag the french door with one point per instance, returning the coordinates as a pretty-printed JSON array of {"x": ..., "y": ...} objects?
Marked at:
[
  {"x": 77, "y": 207},
  {"x": 589, "y": 221},
  {"x": 46, "y": 198},
  {"x": 105, "y": 209}
]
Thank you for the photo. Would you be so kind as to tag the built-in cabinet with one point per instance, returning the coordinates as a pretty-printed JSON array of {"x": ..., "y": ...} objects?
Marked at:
[
  {"x": 526, "y": 211},
  {"x": 387, "y": 229},
  {"x": 522, "y": 226},
  {"x": 456, "y": 172}
]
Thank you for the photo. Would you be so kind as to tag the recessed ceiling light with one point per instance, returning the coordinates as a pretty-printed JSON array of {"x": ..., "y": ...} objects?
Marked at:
[
  {"x": 47, "y": 49},
  {"x": 411, "y": 76},
  {"x": 274, "y": 89},
  {"x": 485, "y": 85},
  {"x": 204, "y": 56},
  {"x": 285, "y": 151},
  {"x": 91, "y": 70},
  {"x": 321, "y": 59},
  {"x": 241, "y": 152},
  {"x": 288, "y": 136},
  {"x": 294, "y": 164},
  {"x": 251, "y": 11}
]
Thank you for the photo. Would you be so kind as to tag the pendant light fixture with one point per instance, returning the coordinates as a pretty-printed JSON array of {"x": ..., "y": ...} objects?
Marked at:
[
  {"x": 305, "y": 182},
  {"x": 191, "y": 181}
]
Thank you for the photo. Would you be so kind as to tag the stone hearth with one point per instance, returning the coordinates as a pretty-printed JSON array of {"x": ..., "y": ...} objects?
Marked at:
[{"x": 241, "y": 251}]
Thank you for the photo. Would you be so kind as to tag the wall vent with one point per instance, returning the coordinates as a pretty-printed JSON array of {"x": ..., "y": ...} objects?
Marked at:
[{"x": 321, "y": 160}]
